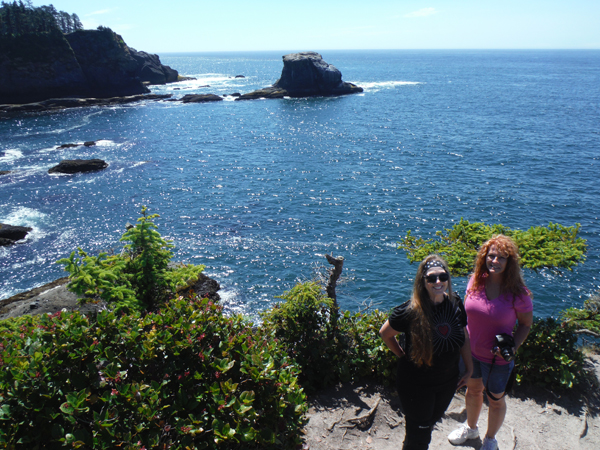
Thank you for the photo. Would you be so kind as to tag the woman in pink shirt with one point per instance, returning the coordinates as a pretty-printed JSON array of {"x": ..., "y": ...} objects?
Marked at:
[{"x": 497, "y": 299}]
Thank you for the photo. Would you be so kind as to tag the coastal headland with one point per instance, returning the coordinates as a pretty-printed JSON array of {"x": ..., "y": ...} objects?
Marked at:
[{"x": 83, "y": 64}]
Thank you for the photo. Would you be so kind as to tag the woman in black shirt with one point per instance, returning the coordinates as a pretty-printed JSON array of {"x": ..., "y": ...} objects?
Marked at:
[{"x": 433, "y": 322}]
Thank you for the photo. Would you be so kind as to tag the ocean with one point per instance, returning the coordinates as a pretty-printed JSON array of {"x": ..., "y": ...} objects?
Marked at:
[{"x": 259, "y": 191}]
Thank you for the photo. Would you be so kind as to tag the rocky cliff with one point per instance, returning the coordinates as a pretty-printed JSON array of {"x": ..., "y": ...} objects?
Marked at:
[{"x": 83, "y": 64}]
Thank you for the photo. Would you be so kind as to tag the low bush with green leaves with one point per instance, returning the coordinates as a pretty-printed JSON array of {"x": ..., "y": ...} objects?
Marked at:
[
  {"x": 136, "y": 279},
  {"x": 329, "y": 354},
  {"x": 550, "y": 356},
  {"x": 586, "y": 319},
  {"x": 555, "y": 246},
  {"x": 366, "y": 354},
  {"x": 184, "y": 376}
]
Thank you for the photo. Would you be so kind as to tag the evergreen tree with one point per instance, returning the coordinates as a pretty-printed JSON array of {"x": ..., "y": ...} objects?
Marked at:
[
  {"x": 77, "y": 25},
  {"x": 22, "y": 17}
]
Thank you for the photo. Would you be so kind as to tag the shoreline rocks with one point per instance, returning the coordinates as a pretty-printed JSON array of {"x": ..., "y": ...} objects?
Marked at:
[
  {"x": 305, "y": 74},
  {"x": 64, "y": 103},
  {"x": 71, "y": 166}
]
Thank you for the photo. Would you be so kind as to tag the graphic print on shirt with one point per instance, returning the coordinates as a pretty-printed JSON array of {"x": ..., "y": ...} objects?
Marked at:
[{"x": 447, "y": 332}]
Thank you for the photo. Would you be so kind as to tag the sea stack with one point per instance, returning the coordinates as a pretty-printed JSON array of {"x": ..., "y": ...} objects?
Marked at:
[{"x": 306, "y": 75}]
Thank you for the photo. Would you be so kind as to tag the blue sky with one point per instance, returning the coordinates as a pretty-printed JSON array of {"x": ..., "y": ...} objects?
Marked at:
[{"x": 235, "y": 25}]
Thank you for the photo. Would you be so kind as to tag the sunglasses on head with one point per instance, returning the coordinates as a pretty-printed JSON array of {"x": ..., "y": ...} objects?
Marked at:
[{"x": 433, "y": 278}]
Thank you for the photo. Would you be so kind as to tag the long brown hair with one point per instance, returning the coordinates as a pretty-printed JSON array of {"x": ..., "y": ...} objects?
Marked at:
[
  {"x": 512, "y": 280},
  {"x": 421, "y": 351}
]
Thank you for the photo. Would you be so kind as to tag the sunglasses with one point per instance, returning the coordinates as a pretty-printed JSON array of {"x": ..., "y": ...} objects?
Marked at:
[{"x": 440, "y": 276}]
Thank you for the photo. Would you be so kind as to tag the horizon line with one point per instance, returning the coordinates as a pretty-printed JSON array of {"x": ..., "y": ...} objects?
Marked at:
[{"x": 383, "y": 49}]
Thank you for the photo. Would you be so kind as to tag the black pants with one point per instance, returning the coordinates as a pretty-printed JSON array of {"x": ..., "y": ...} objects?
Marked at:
[{"x": 423, "y": 406}]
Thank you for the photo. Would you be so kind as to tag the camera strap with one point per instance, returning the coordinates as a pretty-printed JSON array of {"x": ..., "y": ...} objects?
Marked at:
[{"x": 506, "y": 388}]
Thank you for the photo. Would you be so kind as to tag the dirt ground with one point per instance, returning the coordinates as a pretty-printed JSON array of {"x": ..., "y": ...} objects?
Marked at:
[{"x": 363, "y": 416}]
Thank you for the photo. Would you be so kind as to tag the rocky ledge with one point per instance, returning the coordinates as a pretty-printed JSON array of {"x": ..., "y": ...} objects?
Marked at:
[
  {"x": 63, "y": 103},
  {"x": 305, "y": 75},
  {"x": 55, "y": 296}
]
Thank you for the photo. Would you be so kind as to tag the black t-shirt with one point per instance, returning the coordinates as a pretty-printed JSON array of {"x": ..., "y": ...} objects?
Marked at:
[{"x": 447, "y": 327}]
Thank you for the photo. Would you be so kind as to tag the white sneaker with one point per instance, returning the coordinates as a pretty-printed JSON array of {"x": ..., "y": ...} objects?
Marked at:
[
  {"x": 489, "y": 444},
  {"x": 462, "y": 434}
]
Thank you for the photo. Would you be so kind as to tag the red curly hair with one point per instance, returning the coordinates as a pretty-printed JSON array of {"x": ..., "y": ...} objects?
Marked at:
[{"x": 513, "y": 282}]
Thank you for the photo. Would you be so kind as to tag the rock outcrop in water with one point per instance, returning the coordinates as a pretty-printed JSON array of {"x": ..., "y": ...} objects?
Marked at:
[
  {"x": 81, "y": 64},
  {"x": 9, "y": 234},
  {"x": 200, "y": 98},
  {"x": 78, "y": 166},
  {"x": 62, "y": 103},
  {"x": 305, "y": 75}
]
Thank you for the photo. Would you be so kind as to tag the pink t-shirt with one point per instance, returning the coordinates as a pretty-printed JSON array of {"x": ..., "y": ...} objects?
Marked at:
[{"x": 487, "y": 318}]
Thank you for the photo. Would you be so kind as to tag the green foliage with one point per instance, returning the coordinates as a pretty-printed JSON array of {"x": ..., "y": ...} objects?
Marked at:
[
  {"x": 328, "y": 354},
  {"x": 302, "y": 323},
  {"x": 138, "y": 278},
  {"x": 366, "y": 355},
  {"x": 554, "y": 246},
  {"x": 183, "y": 377},
  {"x": 587, "y": 318},
  {"x": 18, "y": 19},
  {"x": 550, "y": 357}
]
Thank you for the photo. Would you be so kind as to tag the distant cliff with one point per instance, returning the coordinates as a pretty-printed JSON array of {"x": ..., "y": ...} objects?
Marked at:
[{"x": 84, "y": 64}]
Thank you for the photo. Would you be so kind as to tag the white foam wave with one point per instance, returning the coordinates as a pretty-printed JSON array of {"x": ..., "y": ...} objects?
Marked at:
[
  {"x": 378, "y": 85},
  {"x": 23, "y": 216},
  {"x": 27, "y": 217},
  {"x": 85, "y": 120},
  {"x": 107, "y": 143},
  {"x": 11, "y": 155}
]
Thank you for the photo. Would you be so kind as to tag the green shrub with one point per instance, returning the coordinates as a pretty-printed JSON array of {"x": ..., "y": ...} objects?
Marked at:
[
  {"x": 586, "y": 319},
  {"x": 185, "y": 376},
  {"x": 549, "y": 356},
  {"x": 302, "y": 323},
  {"x": 326, "y": 354},
  {"x": 554, "y": 246},
  {"x": 366, "y": 353},
  {"x": 138, "y": 278}
]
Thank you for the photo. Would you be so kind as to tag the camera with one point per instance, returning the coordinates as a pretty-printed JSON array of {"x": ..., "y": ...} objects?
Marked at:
[{"x": 505, "y": 343}]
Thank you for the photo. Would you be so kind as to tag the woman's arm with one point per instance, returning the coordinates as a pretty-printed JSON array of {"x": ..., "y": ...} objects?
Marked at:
[
  {"x": 465, "y": 353},
  {"x": 524, "y": 321},
  {"x": 388, "y": 334}
]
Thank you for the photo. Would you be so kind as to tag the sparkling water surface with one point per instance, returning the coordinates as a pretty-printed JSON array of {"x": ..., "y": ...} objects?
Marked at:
[{"x": 258, "y": 191}]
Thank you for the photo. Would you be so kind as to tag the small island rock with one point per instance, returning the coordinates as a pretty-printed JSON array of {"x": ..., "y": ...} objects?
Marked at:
[
  {"x": 305, "y": 75},
  {"x": 9, "y": 234},
  {"x": 200, "y": 98},
  {"x": 79, "y": 165}
]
